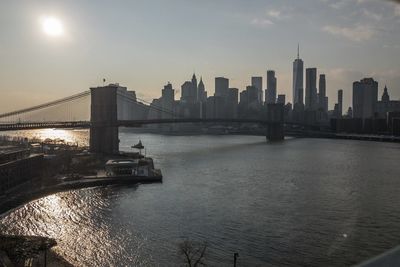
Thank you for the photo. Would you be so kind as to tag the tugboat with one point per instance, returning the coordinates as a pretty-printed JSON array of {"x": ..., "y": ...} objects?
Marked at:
[{"x": 135, "y": 165}]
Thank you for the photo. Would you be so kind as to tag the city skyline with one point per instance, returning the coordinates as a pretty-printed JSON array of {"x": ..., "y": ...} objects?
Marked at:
[
  {"x": 212, "y": 132},
  {"x": 87, "y": 52}
]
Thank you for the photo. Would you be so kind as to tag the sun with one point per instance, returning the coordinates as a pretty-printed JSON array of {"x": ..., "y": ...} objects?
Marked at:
[{"x": 52, "y": 26}]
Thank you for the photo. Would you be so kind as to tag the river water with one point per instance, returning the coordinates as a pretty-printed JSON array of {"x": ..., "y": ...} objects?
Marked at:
[{"x": 301, "y": 202}]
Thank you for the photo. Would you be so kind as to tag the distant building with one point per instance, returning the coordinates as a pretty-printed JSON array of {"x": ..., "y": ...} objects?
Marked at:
[
  {"x": 288, "y": 111},
  {"x": 215, "y": 107},
  {"x": 270, "y": 97},
  {"x": 194, "y": 88},
  {"x": 340, "y": 103},
  {"x": 365, "y": 96},
  {"x": 243, "y": 99},
  {"x": 386, "y": 105},
  {"x": 221, "y": 87},
  {"x": 187, "y": 93},
  {"x": 336, "y": 111},
  {"x": 257, "y": 82},
  {"x": 298, "y": 75},
  {"x": 193, "y": 98},
  {"x": 252, "y": 95},
  {"x": 298, "y": 109},
  {"x": 231, "y": 103},
  {"x": 322, "y": 98},
  {"x": 201, "y": 91},
  {"x": 281, "y": 99},
  {"x": 385, "y": 95},
  {"x": 349, "y": 113},
  {"x": 248, "y": 101},
  {"x": 301, "y": 97},
  {"x": 167, "y": 101},
  {"x": 311, "y": 89},
  {"x": 155, "y": 111}
]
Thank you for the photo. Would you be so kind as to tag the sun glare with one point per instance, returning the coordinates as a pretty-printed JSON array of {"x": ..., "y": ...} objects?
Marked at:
[{"x": 52, "y": 26}]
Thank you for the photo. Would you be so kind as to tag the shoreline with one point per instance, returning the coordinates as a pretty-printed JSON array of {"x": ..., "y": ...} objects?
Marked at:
[
  {"x": 16, "y": 201},
  {"x": 310, "y": 134}
]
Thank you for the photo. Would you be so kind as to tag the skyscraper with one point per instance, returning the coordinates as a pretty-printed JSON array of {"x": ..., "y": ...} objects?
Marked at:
[
  {"x": 298, "y": 75},
  {"x": 252, "y": 94},
  {"x": 201, "y": 91},
  {"x": 231, "y": 106},
  {"x": 221, "y": 86},
  {"x": 189, "y": 90},
  {"x": 167, "y": 101},
  {"x": 386, "y": 105},
  {"x": 270, "y": 96},
  {"x": 257, "y": 83},
  {"x": 186, "y": 92},
  {"x": 281, "y": 99},
  {"x": 168, "y": 93},
  {"x": 385, "y": 96},
  {"x": 322, "y": 98},
  {"x": 194, "y": 87},
  {"x": 340, "y": 103},
  {"x": 311, "y": 89},
  {"x": 365, "y": 96}
]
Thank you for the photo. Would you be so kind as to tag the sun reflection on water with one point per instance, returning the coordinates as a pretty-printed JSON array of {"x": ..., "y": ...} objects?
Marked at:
[{"x": 80, "y": 137}]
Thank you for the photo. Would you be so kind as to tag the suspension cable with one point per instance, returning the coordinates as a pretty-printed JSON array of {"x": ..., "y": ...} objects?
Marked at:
[{"x": 46, "y": 105}]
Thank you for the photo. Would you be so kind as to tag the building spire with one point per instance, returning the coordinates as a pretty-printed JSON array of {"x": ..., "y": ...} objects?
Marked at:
[{"x": 298, "y": 50}]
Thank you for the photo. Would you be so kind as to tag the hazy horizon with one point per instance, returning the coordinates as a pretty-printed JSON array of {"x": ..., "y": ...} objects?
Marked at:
[{"x": 143, "y": 45}]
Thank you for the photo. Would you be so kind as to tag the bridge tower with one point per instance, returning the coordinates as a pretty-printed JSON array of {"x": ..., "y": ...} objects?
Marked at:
[
  {"x": 275, "y": 115},
  {"x": 104, "y": 119}
]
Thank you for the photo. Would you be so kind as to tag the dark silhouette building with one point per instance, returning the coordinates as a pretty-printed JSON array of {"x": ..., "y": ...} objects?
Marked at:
[
  {"x": 258, "y": 83},
  {"x": 221, "y": 87},
  {"x": 340, "y": 103},
  {"x": 386, "y": 105},
  {"x": 281, "y": 99},
  {"x": 365, "y": 96},
  {"x": 322, "y": 98},
  {"x": 270, "y": 94},
  {"x": 298, "y": 74},
  {"x": 311, "y": 89}
]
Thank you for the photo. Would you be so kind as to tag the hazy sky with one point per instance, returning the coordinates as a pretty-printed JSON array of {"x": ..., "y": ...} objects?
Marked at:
[{"x": 144, "y": 44}]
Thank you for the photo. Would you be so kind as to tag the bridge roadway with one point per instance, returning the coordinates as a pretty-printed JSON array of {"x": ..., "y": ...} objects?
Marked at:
[
  {"x": 123, "y": 123},
  {"x": 43, "y": 125}
]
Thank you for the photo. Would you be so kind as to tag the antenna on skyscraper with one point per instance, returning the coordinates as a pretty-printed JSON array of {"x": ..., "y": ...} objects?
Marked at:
[{"x": 298, "y": 50}]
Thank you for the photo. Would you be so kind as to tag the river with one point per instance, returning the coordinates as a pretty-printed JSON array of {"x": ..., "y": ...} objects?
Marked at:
[{"x": 310, "y": 202}]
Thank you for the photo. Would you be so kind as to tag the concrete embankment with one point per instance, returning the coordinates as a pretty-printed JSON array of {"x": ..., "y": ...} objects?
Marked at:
[{"x": 360, "y": 137}]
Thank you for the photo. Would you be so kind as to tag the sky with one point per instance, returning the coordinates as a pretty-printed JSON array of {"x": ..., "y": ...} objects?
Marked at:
[{"x": 145, "y": 44}]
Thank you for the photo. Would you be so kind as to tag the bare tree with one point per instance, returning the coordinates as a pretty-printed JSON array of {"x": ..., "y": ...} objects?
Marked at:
[{"x": 193, "y": 253}]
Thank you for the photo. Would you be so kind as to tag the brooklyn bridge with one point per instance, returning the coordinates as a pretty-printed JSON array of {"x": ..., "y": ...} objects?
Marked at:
[{"x": 109, "y": 107}]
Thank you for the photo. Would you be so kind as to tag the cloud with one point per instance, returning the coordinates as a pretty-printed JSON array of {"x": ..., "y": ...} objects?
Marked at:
[
  {"x": 372, "y": 15},
  {"x": 261, "y": 22},
  {"x": 337, "y": 4},
  {"x": 357, "y": 33},
  {"x": 397, "y": 10},
  {"x": 273, "y": 13},
  {"x": 388, "y": 74},
  {"x": 276, "y": 14},
  {"x": 340, "y": 4},
  {"x": 343, "y": 75}
]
